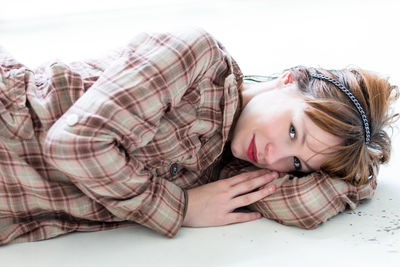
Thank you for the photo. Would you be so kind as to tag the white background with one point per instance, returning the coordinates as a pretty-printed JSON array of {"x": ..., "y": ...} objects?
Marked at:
[{"x": 264, "y": 37}]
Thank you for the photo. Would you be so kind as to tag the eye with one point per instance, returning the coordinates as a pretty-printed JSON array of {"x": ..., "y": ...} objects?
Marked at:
[
  {"x": 292, "y": 131},
  {"x": 296, "y": 161},
  {"x": 296, "y": 164}
]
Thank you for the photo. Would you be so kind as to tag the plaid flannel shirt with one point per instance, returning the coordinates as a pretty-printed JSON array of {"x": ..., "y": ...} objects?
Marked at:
[{"x": 103, "y": 143}]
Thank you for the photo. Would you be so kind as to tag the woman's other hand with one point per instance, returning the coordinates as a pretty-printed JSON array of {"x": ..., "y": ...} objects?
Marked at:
[{"x": 213, "y": 204}]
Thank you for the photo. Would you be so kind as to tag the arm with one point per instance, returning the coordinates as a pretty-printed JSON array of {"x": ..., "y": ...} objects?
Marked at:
[
  {"x": 311, "y": 200},
  {"x": 95, "y": 141},
  {"x": 308, "y": 201}
]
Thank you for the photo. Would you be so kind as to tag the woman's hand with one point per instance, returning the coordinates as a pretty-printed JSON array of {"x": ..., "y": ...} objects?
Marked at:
[{"x": 213, "y": 204}]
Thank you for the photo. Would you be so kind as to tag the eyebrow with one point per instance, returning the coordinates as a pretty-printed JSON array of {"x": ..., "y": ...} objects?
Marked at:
[
  {"x": 304, "y": 138},
  {"x": 309, "y": 169}
]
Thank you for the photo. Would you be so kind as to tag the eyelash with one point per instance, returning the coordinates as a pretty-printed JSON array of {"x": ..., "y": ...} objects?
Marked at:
[{"x": 296, "y": 161}]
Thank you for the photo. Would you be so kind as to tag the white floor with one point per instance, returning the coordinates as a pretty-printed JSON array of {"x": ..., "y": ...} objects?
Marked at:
[{"x": 264, "y": 37}]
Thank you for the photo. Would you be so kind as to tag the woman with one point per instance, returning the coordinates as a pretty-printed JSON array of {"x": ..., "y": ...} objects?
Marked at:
[{"x": 141, "y": 137}]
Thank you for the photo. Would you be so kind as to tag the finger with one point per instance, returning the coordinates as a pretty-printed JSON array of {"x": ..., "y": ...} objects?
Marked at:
[
  {"x": 240, "y": 217},
  {"x": 252, "y": 184},
  {"x": 250, "y": 198},
  {"x": 246, "y": 176}
]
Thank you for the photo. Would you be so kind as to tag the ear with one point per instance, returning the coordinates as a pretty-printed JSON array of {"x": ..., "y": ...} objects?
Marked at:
[{"x": 286, "y": 78}]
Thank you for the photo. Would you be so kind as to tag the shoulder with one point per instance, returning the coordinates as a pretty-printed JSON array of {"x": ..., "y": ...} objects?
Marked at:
[
  {"x": 197, "y": 40},
  {"x": 197, "y": 36}
]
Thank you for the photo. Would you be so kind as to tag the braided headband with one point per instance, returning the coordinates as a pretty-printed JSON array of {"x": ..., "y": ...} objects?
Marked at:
[{"x": 352, "y": 98}]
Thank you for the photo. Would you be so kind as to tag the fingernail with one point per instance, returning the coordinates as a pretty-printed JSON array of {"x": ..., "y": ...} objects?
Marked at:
[
  {"x": 275, "y": 175},
  {"x": 271, "y": 189}
]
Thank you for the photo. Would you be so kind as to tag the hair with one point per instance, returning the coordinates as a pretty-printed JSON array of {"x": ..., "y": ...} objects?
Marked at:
[{"x": 333, "y": 111}]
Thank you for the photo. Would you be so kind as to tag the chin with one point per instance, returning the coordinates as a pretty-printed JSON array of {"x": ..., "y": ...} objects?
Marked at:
[
  {"x": 235, "y": 152},
  {"x": 260, "y": 166}
]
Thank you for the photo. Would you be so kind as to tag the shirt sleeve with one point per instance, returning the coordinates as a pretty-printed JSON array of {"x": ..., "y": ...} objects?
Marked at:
[
  {"x": 308, "y": 201},
  {"x": 305, "y": 202},
  {"x": 95, "y": 141}
]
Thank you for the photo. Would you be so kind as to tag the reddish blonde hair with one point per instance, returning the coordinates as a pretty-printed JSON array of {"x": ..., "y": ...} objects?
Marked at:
[{"x": 333, "y": 111}]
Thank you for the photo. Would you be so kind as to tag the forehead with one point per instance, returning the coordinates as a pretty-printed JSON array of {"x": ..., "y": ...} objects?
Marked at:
[
  {"x": 288, "y": 97},
  {"x": 317, "y": 144}
]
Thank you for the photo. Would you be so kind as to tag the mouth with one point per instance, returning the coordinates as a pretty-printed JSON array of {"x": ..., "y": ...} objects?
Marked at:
[{"x": 252, "y": 151}]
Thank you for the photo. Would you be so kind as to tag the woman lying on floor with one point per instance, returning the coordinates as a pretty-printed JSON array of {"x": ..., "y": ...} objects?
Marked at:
[{"x": 167, "y": 132}]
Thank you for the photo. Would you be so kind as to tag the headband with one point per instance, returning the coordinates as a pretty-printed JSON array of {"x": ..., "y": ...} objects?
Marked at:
[{"x": 352, "y": 98}]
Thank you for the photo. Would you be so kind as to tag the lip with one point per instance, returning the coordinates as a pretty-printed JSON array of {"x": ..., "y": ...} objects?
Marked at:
[{"x": 252, "y": 150}]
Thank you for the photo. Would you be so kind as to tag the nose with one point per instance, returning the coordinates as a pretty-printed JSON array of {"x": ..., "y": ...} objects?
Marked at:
[
  {"x": 269, "y": 154},
  {"x": 274, "y": 153}
]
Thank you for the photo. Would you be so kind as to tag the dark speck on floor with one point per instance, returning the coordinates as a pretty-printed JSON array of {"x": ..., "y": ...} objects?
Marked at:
[{"x": 386, "y": 223}]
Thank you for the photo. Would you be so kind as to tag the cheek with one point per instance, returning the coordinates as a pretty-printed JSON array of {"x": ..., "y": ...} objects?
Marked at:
[
  {"x": 272, "y": 126},
  {"x": 278, "y": 166}
]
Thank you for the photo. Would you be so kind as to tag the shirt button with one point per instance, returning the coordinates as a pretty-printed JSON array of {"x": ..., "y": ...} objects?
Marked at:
[
  {"x": 72, "y": 119},
  {"x": 174, "y": 169}
]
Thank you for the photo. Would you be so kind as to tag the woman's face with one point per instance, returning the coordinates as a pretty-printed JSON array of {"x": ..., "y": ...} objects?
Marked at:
[{"x": 273, "y": 131}]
